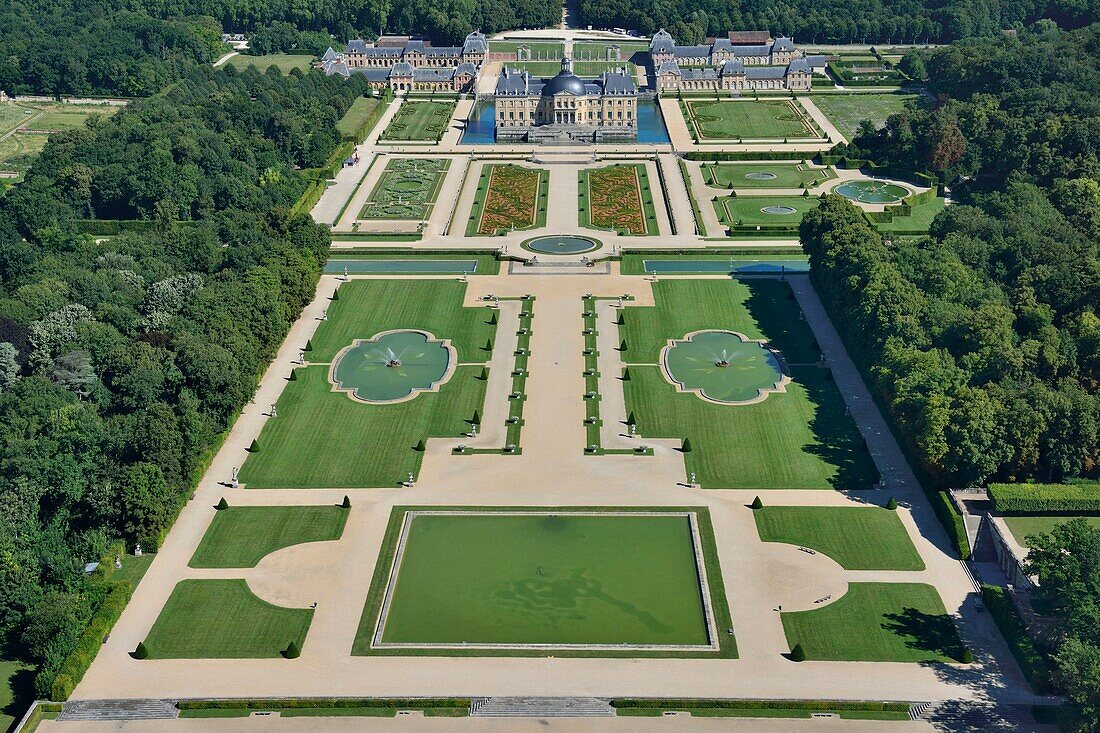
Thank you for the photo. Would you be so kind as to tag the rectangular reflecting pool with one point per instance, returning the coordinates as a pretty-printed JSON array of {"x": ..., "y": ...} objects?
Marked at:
[
  {"x": 738, "y": 265},
  {"x": 400, "y": 267},
  {"x": 481, "y": 123}
]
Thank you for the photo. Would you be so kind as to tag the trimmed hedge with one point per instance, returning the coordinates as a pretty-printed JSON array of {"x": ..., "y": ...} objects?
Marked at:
[
  {"x": 711, "y": 704},
  {"x": 730, "y": 156},
  {"x": 1076, "y": 498},
  {"x": 953, "y": 522},
  {"x": 76, "y": 664},
  {"x": 326, "y": 702},
  {"x": 1032, "y": 662}
]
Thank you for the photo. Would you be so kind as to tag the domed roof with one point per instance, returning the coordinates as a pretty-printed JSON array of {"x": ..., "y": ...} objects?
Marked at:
[{"x": 565, "y": 81}]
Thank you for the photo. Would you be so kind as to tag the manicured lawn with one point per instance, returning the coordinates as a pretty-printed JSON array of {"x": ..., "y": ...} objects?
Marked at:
[
  {"x": 133, "y": 568},
  {"x": 284, "y": 61},
  {"x": 859, "y": 538},
  {"x": 16, "y": 691},
  {"x": 419, "y": 120},
  {"x": 619, "y": 198},
  {"x": 222, "y": 619},
  {"x": 748, "y": 211},
  {"x": 751, "y": 175},
  {"x": 19, "y": 151},
  {"x": 758, "y": 309},
  {"x": 359, "y": 112},
  {"x": 846, "y": 111},
  {"x": 580, "y": 68},
  {"x": 509, "y": 576},
  {"x": 239, "y": 537},
  {"x": 406, "y": 189},
  {"x": 1023, "y": 527},
  {"x": 368, "y": 307},
  {"x": 726, "y": 120},
  {"x": 877, "y": 622},
  {"x": 919, "y": 221},
  {"x": 595, "y": 50},
  {"x": 539, "y": 50},
  {"x": 797, "y": 439},
  {"x": 507, "y": 197}
]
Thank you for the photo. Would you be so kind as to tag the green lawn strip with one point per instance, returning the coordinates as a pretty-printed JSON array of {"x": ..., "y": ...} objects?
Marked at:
[
  {"x": 877, "y": 622},
  {"x": 696, "y": 212},
  {"x": 324, "y": 707},
  {"x": 324, "y": 439},
  {"x": 284, "y": 61},
  {"x": 424, "y": 120},
  {"x": 757, "y": 309},
  {"x": 1024, "y": 526},
  {"x": 918, "y": 221},
  {"x": 222, "y": 619},
  {"x": 596, "y": 50},
  {"x": 133, "y": 568},
  {"x": 16, "y": 691},
  {"x": 487, "y": 264},
  {"x": 737, "y": 120},
  {"x": 368, "y": 307},
  {"x": 846, "y": 111},
  {"x": 539, "y": 49},
  {"x": 858, "y": 538},
  {"x": 720, "y": 708},
  {"x": 239, "y": 537},
  {"x": 551, "y": 599},
  {"x": 617, "y": 198},
  {"x": 748, "y": 211},
  {"x": 787, "y": 175},
  {"x": 359, "y": 112},
  {"x": 593, "y": 444},
  {"x": 799, "y": 439}
]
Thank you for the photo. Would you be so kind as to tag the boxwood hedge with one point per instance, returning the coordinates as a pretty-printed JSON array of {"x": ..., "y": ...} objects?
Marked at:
[{"x": 1073, "y": 498}]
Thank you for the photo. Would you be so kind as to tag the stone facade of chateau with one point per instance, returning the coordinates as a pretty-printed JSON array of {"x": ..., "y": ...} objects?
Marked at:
[
  {"x": 410, "y": 65},
  {"x": 765, "y": 64},
  {"x": 565, "y": 106}
]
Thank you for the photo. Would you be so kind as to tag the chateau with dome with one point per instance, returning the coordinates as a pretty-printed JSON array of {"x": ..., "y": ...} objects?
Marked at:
[{"x": 566, "y": 106}]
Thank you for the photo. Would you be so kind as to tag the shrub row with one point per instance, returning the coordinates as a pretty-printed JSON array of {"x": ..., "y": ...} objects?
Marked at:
[
  {"x": 415, "y": 703},
  {"x": 76, "y": 664},
  {"x": 371, "y": 120},
  {"x": 731, "y": 156},
  {"x": 1046, "y": 498},
  {"x": 952, "y": 521},
  {"x": 309, "y": 197},
  {"x": 705, "y": 704},
  {"x": 112, "y": 227},
  {"x": 1033, "y": 663}
]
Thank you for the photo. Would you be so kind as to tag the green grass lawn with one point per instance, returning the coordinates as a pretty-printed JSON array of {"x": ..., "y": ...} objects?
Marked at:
[
  {"x": 859, "y": 538},
  {"x": 726, "y": 120},
  {"x": 747, "y": 211},
  {"x": 595, "y": 50},
  {"x": 877, "y": 622},
  {"x": 547, "y": 576},
  {"x": 787, "y": 175},
  {"x": 758, "y": 309},
  {"x": 797, "y": 439},
  {"x": 222, "y": 619},
  {"x": 617, "y": 198},
  {"x": 580, "y": 68},
  {"x": 239, "y": 537},
  {"x": 133, "y": 568},
  {"x": 16, "y": 690},
  {"x": 846, "y": 111},
  {"x": 1022, "y": 527},
  {"x": 539, "y": 49},
  {"x": 359, "y": 112},
  {"x": 419, "y": 120},
  {"x": 284, "y": 61},
  {"x": 919, "y": 221},
  {"x": 18, "y": 152}
]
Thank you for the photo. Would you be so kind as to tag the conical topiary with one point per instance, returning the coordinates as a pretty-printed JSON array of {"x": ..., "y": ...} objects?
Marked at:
[
  {"x": 798, "y": 654},
  {"x": 346, "y": 503},
  {"x": 140, "y": 652},
  {"x": 476, "y": 420},
  {"x": 254, "y": 448},
  {"x": 292, "y": 651},
  {"x": 336, "y": 294},
  {"x": 630, "y": 419},
  {"x": 620, "y": 320},
  {"x": 967, "y": 656},
  {"x": 493, "y": 319},
  {"x": 892, "y": 504},
  {"x": 484, "y": 373},
  {"x": 309, "y": 345},
  {"x": 622, "y": 345},
  {"x": 293, "y": 376},
  {"x": 222, "y": 504},
  {"x": 685, "y": 447},
  {"x": 488, "y": 344},
  {"x": 757, "y": 504},
  {"x": 626, "y": 374},
  {"x": 420, "y": 447}
]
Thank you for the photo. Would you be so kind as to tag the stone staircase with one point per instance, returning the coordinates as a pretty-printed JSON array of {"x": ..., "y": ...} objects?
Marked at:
[
  {"x": 135, "y": 709},
  {"x": 962, "y": 716},
  {"x": 540, "y": 707}
]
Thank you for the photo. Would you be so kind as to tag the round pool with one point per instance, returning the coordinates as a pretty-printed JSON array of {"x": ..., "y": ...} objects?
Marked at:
[
  {"x": 760, "y": 176},
  {"x": 779, "y": 210},
  {"x": 561, "y": 244},
  {"x": 867, "y": 191}
]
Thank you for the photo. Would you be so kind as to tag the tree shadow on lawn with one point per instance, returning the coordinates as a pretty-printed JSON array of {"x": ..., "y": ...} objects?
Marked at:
[
  {"x": 772, "y": 305},
  {"x": 839, "y": 441},
  {"x": 928, "y": 632},
  {"x": 22, "y": 694}
]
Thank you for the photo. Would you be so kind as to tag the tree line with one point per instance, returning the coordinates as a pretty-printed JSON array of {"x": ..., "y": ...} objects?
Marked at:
[{"x": 123, "y": 362}]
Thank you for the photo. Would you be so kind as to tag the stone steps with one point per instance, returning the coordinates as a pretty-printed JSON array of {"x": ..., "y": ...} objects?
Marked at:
[
  {"x": 134, "y": 709},
  {"x": 540, "y": 707}
]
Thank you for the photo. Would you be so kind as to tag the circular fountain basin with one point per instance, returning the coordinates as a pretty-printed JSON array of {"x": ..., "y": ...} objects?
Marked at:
[
  {"x": 392, "y": 366},
  {"x": 779, "y": 210},
  {"x": 760, "y": 176},
  {"x": 867, "y": 191},
  {"x": 723, "y": 366},
  {"x": 561, "y": 244}
]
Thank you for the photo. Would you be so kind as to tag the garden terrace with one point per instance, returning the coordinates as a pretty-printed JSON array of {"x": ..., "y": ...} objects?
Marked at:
[
  {"x": 508, "y": 197},
  {"x": 407, "y": 189},
  {"x": 617, "y": 198},
  {"x": 765, "y": 175},
  {"x": 748, "y": 120},
  {"x": 419, "y": 121}
]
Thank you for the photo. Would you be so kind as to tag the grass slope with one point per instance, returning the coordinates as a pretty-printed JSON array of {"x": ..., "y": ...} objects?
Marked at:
[
  {"x": 859, "y": 538},
  {"x": 239, "y": 537},
  {"x": 1023, "y": 527},
  {"x": 284, "y": 61},
  {"x": 222, "y": 619},
  {"x": 877, "y": 622},
  {"x": 359, "y": 112}
]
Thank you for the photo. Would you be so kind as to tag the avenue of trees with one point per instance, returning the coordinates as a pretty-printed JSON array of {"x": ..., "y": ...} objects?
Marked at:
[{"x": 123, "y": 362}]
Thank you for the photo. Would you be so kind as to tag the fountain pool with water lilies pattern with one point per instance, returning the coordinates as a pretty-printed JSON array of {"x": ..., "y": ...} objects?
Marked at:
[
  {"x": 723, "y": 366},
  {"x": 392, "y": 366}
]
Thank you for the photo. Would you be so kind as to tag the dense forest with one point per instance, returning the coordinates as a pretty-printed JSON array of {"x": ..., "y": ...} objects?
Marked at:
[
  {"x": 122, "y": 362},
  {"x": 835, "y": 21}
]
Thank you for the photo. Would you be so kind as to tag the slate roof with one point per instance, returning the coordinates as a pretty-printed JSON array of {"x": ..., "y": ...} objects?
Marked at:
[
  {"x": 475, "y": 43},
  {"x": 514, "y": 82},
  {"x": 669, "y": 67},
  {"x": 799, "y": 65},
  {"x": 783, "y": 43},
  {"x": 661, "y": 41},
  {"x": 816, "y": 62},
  {"x": 765, "y": 72},
  {"x": 691, "y": 52}
]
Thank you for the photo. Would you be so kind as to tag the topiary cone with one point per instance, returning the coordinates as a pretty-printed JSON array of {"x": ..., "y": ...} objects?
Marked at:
[
  {"x": 222, "y": 504},
  {"x": 685, "y": 447},
  {"x": 346, "y": 503},
  {"x": 336, "y": 294},
  {"x": 293, "y": 376},
  {"x": 309, "y": 345},
  {"x": 967, "y": 656},
  {"x": 292, "y": 651},
  {"x": 626, "y": 374},
  {"x": 476, "y": 420},
  {"x": 140, "y": 652},
  {"x": 488, "y": 344},
  {"x": 420, "y": 447},
  {"x": 254, "y": 448},
  {"x": 622, "y": 345},
  {"x": 630, "y": 419},
  {"x": 757, "y": 504},
  {"x": 892, "y": 504},
  {"x": 493, "y": 319},
  {"x": 798, "y": 654}
]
